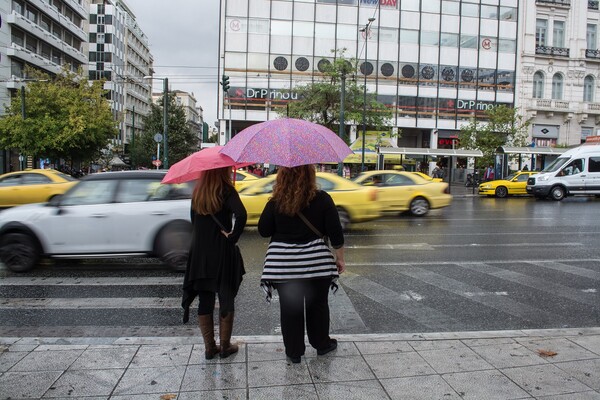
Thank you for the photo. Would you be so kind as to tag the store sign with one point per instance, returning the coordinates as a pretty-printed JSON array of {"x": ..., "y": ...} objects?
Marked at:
[
  {"x": 545, "y": 131},
  {"x": 382, "y": 3},
  {"x": 270, "y": 94},
  {"x": 474, "y": 105}
]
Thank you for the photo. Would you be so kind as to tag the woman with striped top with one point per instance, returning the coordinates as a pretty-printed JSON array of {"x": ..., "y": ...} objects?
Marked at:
[{"x": 299, "y": 264}]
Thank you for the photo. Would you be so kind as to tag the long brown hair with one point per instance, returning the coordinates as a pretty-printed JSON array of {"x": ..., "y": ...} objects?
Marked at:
[
  {"x": 208, "y": 193},
  {"x": 295, "y": 187}
]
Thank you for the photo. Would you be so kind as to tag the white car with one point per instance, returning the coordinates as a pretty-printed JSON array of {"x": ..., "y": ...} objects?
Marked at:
[{"x": 105, "y": 215}]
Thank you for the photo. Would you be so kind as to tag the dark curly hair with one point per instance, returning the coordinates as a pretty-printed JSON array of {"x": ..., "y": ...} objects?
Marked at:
[{"x": 294, "y": 188}]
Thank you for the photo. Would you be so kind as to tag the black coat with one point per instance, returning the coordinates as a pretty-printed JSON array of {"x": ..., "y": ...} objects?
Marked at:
[{"x": 215, "y": 263}]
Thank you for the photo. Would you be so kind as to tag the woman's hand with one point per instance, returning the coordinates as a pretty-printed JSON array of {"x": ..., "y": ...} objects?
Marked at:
[
  {"x": 226, "y": 234},
  {"x": 339, "y": 260}
]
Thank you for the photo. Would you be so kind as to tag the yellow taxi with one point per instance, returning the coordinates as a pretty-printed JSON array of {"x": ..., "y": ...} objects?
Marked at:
[
  {"x": 33, "y": 186},
  {"x": 513, "y": 184},
  {"x": 244, "y": 178},
  {"x": 427, "y": 177},
  {"x": 400, "y": 191},
  {"x": 354, "y": 202}
]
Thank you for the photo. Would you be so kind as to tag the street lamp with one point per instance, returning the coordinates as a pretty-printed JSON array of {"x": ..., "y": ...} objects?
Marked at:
[
  {"x": 165, "y": 117},
  {"x": 366, "y": 31}
]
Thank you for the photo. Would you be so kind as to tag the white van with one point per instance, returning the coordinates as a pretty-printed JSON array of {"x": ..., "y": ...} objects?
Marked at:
[{"x": 575, "y": 172}]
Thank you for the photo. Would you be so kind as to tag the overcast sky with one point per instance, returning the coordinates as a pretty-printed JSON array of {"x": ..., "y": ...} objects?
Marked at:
[{"x": 184, "y": 41}]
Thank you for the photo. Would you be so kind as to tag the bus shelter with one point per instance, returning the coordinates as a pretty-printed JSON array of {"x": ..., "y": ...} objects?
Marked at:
[
  {"x": 453, "y": 172},
  {"x": 534, "y": 158}
]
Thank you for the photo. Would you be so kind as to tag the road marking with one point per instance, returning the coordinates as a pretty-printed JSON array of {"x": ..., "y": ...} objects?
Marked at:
[
  {"x": 500, "y": 303},
  {"x": 570, "y": 269},
  {"x": 534, "y": 282},
  {"x": 89, "y": 303},
  {"x": 116, "y": 281},
  {"x": 407, "y": 304},
  {"x": 427, "y": 246},
  {"x": 473, "y": 294},
  {"x": 402, "y": 246},
  {"x": 343, "y": 315},
  {"x": 589, "y": 290}
]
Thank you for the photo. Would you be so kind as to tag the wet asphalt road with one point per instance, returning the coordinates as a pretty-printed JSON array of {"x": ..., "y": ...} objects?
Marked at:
[{"x": 481, "y": 264}]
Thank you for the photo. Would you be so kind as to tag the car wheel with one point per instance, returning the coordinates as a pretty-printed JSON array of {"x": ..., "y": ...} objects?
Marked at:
[
  {"x": 419, "y": 206},
  {"x": 18, "y": 251},
  {"x": 501, "y": 191},
  {"x": 344, "y": 217},
  {"x": 557, "y": 193},
  {"x": 172, "y": 245}
]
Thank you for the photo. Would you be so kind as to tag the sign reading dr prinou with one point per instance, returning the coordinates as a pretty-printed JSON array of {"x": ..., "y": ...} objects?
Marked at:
[{"x": 272, "y": 94}]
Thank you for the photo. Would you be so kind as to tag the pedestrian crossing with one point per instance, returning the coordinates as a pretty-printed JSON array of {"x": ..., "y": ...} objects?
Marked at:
[{"x": 382, "y": 297}]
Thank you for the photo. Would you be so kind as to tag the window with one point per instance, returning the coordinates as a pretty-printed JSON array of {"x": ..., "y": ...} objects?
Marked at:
[
  {"x": 541, "y": 30},
  {"x": 32, "y": 14},
  {"x": 468, "y": 41},
  {"x": 538, "y": 85},
  {"x": 594, "y": 164},
  {"x": 508, "y": 13},
  {"x": 430, "y": 38},
  {"x": 557, "y": 87},
  {"x": 18, "y": 37},
  {"x": 490, "y": 12},
  {"x": 470, "y": 10},
  {"x": 35, "y": 178},
  {"x": 18, "y": 7},
  {"x": 409, "y": 36},
  {"x": 46, "y": 23},
  {"x": 31, "y": 44},
  {"x": 588, "y": 89},
  {"x": 507, "y": 45},
  {"x": 90, "y": 192},
  {"x": 46, "y": 51},
  {"x": 590, "y": 36},
  {"x": 449, "y": 39},
  {"x": 558, "y": 34},
  {"x": 450, "y": 7}
]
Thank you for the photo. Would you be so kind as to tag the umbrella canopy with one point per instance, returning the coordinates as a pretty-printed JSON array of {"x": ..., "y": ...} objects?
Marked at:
[
  {"x": 287, "y": 142},
  {"x": 189, "y": 168}
]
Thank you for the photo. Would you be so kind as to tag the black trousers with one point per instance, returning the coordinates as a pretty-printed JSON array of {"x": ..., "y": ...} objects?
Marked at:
[
  {"x": 294, "y": 295},
  {"x": 206, "y": 302}
]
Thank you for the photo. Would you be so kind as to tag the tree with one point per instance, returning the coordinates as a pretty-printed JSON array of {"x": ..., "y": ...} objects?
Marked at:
[
  {"x": 67, "y": 117},
  {"x": 181, "y": 139},
  {"x": 505, "y": 127},
  {"x": 319, "y": 100}
]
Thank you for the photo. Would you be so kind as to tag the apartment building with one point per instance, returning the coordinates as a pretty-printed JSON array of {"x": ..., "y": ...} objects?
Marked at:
[
  {"x": 44, "y": 34},
  {"x": 559, "y": 67},
  {"x": 120, "y": 54}
]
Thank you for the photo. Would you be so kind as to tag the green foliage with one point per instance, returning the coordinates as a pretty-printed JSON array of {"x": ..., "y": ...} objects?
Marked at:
[
  {"x": 319, "y": 100},
  {"x": 181, "y": 139},
  {"x": 505, "y": 127},
  {"x": 66, "y": 117}
]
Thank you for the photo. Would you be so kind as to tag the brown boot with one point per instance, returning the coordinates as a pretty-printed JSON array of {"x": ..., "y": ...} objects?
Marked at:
[
  {"x": 225, "y": 329},
  {"x": 207, "y": 327}
]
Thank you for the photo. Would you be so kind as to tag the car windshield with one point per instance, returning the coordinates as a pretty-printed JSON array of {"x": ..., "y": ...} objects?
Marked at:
[
  {"x": 510, "y": 177},
  {"x": 556, "y": 164},
  {"x": 65, "y": 176}
]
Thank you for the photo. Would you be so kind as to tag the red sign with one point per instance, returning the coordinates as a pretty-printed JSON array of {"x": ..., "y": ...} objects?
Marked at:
[
  {"x": 156, "y": 163},
  {"x": 592, "y": 139}
]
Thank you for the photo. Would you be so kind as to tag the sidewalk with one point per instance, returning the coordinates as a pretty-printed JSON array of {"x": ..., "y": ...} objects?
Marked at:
[{"x": 463, "y": 365}]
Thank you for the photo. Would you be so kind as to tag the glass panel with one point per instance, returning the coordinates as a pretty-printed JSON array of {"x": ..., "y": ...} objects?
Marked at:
[
  {"x": 409, "y": 36},
  {"x": 468, "y": 41},
  {"x": 591, "y": 36},
  {"x": 449, "y": 39},
  {"x": 541, "y": 27},
  {"x": 557, "y": 87},
  {"x": 490, "y": 12},
  {"x": 430, "y": 38},
  {"x": 450, "y": 8},
  {"x": 538, "y": 85},
  {"x": 470, "y": 10},
  {"x": 507, "y": 45},
  {"x": 588, "y": 89},
  {"x": 508, "y": 13},
  {"x": 558, "y": 34}
]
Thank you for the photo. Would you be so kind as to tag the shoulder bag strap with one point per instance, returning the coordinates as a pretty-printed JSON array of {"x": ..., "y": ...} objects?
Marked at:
[
  {"x": 218, "y": 222},
  {"x": 311, "y": 226}
]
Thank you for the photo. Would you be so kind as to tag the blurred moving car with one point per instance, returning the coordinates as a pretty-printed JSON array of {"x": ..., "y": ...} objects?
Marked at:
[
  {"x": 111, "y": 214},
  {"x": 33, "y": 186},
  {"x": 427, "y": 177},
  {"x": 513, "y": 184},
  {"x": 406, "y": 191},
  {"x": 244, "y": 178},
  {"x": 354, "y": 202}
]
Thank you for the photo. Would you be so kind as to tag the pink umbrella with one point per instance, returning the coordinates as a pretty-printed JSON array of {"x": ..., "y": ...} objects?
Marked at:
[
  {"x": 287, "y": 142},
  {"x": 190, "y": 167}
]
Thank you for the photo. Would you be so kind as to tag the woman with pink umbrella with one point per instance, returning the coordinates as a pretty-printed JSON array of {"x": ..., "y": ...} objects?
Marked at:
[
  {"x": 299, "y": 264},
  {"x": 215, "y": 264}
]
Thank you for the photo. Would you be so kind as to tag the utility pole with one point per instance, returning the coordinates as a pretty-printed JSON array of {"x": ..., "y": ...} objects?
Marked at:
[
  {"x": 366, "y": 31},
  {"x": 340, "y": 169},
  {"x": 166, "y": 121}
]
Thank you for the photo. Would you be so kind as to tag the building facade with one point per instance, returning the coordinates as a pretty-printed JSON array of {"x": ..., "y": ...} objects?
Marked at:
[
  {"x": 193, "y": 112},
  {"x": 45, "y": 35},
  {"x": 435, "y": 63},
  {"x": 119, "y": 53},
  {"x": 559, "y": 67}
]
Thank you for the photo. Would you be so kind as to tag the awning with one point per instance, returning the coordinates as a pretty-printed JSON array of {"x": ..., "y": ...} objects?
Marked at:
[
  {"x": 117, "y": 162},
  {"x": 417, "y": 151},
  {"x": 530, "y": 150}
]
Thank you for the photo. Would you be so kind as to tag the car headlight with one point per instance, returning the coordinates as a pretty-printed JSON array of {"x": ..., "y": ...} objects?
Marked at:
[
  {"x": 542, "y": 178},
  {"x": 485, "y": 186}
]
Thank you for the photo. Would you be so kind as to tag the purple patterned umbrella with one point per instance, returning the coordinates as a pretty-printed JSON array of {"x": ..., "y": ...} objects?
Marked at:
[{"x": 287, "y": 142}]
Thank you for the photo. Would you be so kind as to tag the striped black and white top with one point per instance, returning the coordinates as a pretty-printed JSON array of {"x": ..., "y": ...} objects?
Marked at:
[{"x": 288, "y": 261}]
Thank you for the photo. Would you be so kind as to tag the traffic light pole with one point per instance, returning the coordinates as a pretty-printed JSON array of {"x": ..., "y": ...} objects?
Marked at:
[{"x": 225, "y": 85}]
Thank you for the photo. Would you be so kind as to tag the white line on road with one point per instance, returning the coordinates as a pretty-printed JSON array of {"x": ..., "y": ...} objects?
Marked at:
[
  {"x": 90, "y": 303},
  {"x": 123, "y": 281},
  {"x": 473, "y": 294},
  {"x": 426, "y": 246}
]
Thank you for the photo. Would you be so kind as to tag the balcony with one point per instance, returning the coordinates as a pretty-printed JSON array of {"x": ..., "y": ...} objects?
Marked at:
[
  {"x": 554, "y": 3},
  {"x": 550, "y": 106},
  {"x": 552, "y": 51},
  {"x": 590, "y": 53},
  {"x": 593, "y": 4}
]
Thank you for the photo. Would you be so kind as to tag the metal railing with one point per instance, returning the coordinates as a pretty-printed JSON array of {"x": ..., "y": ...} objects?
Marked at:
[
  {"x": 590, "y": 53},
  {"x": 566, "y": 3},
  {"x": 552, "y": 51},
  {"x": 593, "y": 4}
]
